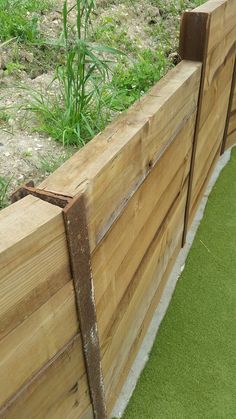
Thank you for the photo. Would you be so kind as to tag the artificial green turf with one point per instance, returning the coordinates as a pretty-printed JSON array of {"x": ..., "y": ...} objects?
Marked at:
[{"x": 192, "y": 368}]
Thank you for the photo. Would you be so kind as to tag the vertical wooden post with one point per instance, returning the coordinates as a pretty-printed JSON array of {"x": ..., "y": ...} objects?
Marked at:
[
  {"x": 199, "y": 41},
  {"x": 194, "y": 35}
]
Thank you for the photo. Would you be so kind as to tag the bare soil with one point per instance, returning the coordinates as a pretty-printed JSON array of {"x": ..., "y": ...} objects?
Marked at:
[{"x": 23, "y": 150}]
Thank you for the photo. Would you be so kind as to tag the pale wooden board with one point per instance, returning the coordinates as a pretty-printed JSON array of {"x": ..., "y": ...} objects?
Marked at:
[
  {"x": 218, "y": 51},
  {"x": 37, "y": 340},
  {"x": 34, "y": 262},
  {"x": 125, "y": 335},
  {"x": 129, "y": 262},
  {"x": 61, "y": 391},
  {"x": 38, "y": 316},
  {"x": 143, "y": 330},
  {"x": 231, "y": 134},
  {"x": 209, "y": 139},
  {"x": 127, "y": 149},
  {"x": 117, "y": 257}
]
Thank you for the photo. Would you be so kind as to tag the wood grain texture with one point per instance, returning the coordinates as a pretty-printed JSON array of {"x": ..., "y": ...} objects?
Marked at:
[
  {"x": 59, "y": 391},
  {"x": 218, "y": 52},
  {"x": 34, "y": 262},
  {"x": 130, "y": 171},
  {"x": 38, "y": 317},
  {"x": 116, "y": 259},
  {"x": 124, "y": 339},
  {"x": 128, "y": 149},
  {"x": 135, "y": 177},
  {"x": 130, "y": 260},
  {"x": 37, "y": 339},
  {"x": 230, "y": 132}
]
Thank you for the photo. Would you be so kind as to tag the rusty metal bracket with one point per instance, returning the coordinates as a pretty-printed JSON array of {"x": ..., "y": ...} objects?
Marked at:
[
  {"x": 29, "y": 189},
  {"x": 79, "y": 248},
  {"x": 74, "y": 211}
]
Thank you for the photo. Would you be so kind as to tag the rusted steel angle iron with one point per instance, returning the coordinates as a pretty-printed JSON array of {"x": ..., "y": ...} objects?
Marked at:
[{"x": 74, "y": 212}]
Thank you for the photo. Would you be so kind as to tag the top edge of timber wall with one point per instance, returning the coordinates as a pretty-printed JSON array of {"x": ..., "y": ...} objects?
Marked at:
[
  {"x": 204, "y": 27},
  {"x": 71, "y": 177},
  {"x": 118, "y": 159}
]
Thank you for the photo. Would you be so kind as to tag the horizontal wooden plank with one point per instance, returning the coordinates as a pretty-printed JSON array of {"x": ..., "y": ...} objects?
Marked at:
[
  {"x": 120, "y": 252},
  {"x": 143, "y": 329},
  {"x": 138, "y": 298},
  {"x": 37, "y": 340},
  {"x": 59, "y": 391},
  {"x": 217, "y": 89},
  {"x": 214, "y": 157},
  {"x": 128, "y": 149},
  {"x": 209, "y": 138},
  {"x": 34, "y": 260}
]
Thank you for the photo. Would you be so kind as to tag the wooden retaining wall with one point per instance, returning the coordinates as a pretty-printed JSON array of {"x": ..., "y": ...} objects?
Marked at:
[{"x": 85, "y": 256}]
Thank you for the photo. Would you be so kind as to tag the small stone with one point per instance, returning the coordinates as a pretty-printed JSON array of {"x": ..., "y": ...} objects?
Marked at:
[
  {"x": 175, "y": 58},
  {"x": 152, "y": 21},
  {"x": 27, "y": 56}
]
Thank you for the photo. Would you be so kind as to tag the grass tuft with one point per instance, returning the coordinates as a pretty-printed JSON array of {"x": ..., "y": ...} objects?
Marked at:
[
  {"x": 79, "y": 108},
  {"x": 4, "y": 187}
]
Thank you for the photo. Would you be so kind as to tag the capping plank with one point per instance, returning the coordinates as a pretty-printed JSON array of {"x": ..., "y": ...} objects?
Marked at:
[{"x": 127, "y": 149}]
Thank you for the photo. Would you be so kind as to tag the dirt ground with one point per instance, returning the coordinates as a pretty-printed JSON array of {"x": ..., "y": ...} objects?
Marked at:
[{"x": 26, "y": 154}]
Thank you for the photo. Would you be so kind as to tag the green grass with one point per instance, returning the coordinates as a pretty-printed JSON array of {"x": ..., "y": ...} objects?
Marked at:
[
  {"x": 192, "y": 367},
  {"x": 4, "y": 187},
  {"x": 50, "y": 163},
  {"x": 19, "y": 19},
  {"x": 131, "y": 80},
  {"x": 91, "y": 88},
  {"x": 79, "y": 108},
  {"x": 20, "y": 35}
]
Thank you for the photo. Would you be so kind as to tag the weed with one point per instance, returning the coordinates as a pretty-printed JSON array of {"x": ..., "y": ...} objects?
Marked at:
[
  {"x": 4, "y": 186},
  {"x": 19, "y": 19},
  {"x": 13, "y": 68},
  {"x": 50, "y": 163},
  {"x": 109, "y": 32},
  {"x": 130, "y": 82},
  {"x": 78, "y": 110},
  {"x": 4, "y": 117},
  {"x": 27, "y": 153}
]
